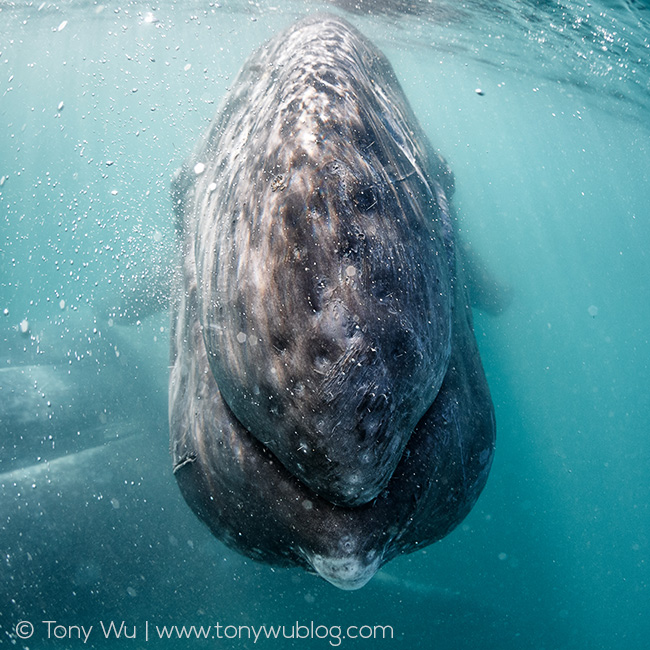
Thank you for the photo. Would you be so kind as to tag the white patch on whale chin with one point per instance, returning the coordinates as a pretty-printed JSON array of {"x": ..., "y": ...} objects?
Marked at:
[{"x": 347, "y": 573}]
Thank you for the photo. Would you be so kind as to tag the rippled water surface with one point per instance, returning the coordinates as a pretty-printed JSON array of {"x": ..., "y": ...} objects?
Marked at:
[{"x": 542, "y": 111}]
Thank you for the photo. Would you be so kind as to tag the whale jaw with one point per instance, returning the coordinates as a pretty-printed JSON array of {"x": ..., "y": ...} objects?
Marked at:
[{"x": 348, "y": 573}]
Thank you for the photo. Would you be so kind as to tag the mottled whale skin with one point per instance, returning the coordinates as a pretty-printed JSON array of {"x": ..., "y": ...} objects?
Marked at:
[{"x": 328, "y": 406}]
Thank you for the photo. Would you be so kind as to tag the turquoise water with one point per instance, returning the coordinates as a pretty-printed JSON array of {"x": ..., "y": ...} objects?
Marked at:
[{"x": 101, "y": 103}]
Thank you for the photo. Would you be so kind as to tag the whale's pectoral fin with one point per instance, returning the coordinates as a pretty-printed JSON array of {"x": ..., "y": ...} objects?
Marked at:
[
  {"x": 148, "y": 292},
  {"x": 138, "y": 297},
  {"x": 487, "y": 292}
]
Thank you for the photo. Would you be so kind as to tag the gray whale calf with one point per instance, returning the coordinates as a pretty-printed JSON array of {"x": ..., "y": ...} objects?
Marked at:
[{"x": 328, "y": 406}]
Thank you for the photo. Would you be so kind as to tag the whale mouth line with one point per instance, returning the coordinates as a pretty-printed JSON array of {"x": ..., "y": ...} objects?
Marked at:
[{"x": 310, "y": 492}]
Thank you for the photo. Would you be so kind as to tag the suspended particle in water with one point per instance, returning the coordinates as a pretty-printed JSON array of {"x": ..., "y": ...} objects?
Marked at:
[
  {"x": 480, "y": 92},
  {"x": 199, "y": 168},
  {"x": 5, "y": 311},
  {"x": 593, "y": 311},
  {"x": 60, "y": 106},
  {"x": 24, "y": 327},
  {"x": 61, "y": 304},
  {"x": 62, "y": 26}
]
